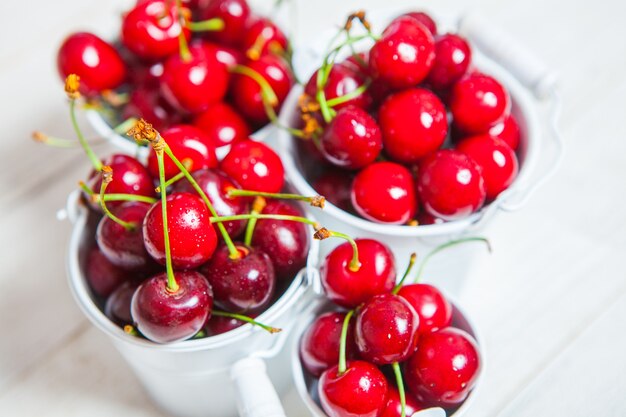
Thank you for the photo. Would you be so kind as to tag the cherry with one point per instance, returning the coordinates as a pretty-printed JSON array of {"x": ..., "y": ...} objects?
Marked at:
[
  {"x": 261, "y": 37},
  {"x": 385, "y": 192},
  {"x": 349, "y": 288},
  {"x": 433, "y": 309},
  {"x": 497, "y": 162},
  {"x": 478, "y": 102},
  {"x": 102, "y": 276},
  {"x": 342, "y": 79},
  {"x": 229, "y": 56},
  {"x": 425, "y": 218},
  {"x": 444, "y": 368},
  {"x": 450, "y": 185},
  {"x": 223, "y": 125},
  {"x": 149, "y": 104},
  {"x": 234, "y": 14},
  {"x": 117, "y": 306},
  {"x": 192, "y": 84},
  {"x": 99, "y": 66},
  {"x": 254, "y": 166},
  {"x": 243, "y": 284},
  {"x": 424, "y": 19},
  {"x": 413, "y": 123},
  {"x": 394, "y": 406},
  {"x": 404, "y": 54},
  {"x": 336, "y": 186},
  {"x": 187, "y": 143},
  {"x": 452, "y": 58},
  {"x": 151, "y": 29},
  {"x": 193, "y": 238},
  {"x": 319, "y": 346},
  {"x": 166, "y": 316},
  {"x": 386, "y": 329},
  {"x": 144, "y": 74},
  {"x": 286, "y": 242},
  {"x": 359, "y": 391},
  {"x": 219, "y": 325},
  {"x": 508, "y": 130}
]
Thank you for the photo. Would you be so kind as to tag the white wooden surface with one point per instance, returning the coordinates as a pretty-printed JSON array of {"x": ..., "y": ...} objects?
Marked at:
[{"x": 550, "y": 301}]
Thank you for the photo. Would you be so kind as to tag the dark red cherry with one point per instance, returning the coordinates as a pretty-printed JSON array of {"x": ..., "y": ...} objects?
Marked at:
[
  {"x": 349, "y": 288},
  {"x": 394, "y": 405},
  {"x": 384, "y": 192},
  {"x": 336, "y": 186},
  {"x": 262, "y": 37},
  {"x": 352, "y": 139},
  {"x": 149, "y": 104},
  {"x": 452, "y": 58},
  {"x": 426, "y": 20},
  {"x": 187, "y": 143},
  {"x": 432, "y": 307},
  {"x": 166, "y": 316},
  {"x": 319, "y": 346},
  {"x": 144, "y": 74},
  {"x": 445, "y": 367},
  {"x": 99, "y": 66},
  {"x": 219, "y": 324},
  {"x": 286, "y": 242},
  {"x": 413, "y": 123},
  {"x": 478, "y": 102},
  {"x": 192, "y": 236},
  {"x": 508, "y": 130},
  {"x": 243, "y": 284},
  {"x": 216, "y": 186},
  {"x": 222, "y": 124},
  {"x": 404, "y": 54},
  {"x": 497, "y": 161},
  {"x": 151, "y": 29},
  {"x": 102, "y": 276},
  {"x": 254, "y": 166},
  {"x": 360, "y": 391},
  {"x": 117, "y": 306},
  {"x": 450, "y": 185},
  {"x": 234, "y": 14},
  {"x": 385, "y": 330},
  {"x": 343, "y": 79}
]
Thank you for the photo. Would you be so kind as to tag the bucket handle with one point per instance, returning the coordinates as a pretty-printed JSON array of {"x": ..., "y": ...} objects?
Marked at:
[{"x": 255, "y": 394}]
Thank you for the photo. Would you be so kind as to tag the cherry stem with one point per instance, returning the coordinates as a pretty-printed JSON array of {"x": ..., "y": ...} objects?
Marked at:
[
  {"x": 438, "y": 249},
  {"x": 210, "y": 25},
  {"x": 107, "y": 177},
  {"x": 354, "y": 264},
  {"x": 398, "y": 373},
  {"x": 187, "y": 163},
  {"x": 183, "y": 46},
  {"x": 347, "y": 97},
  {"x": 201, "y": 334},
  {"x": 221, "y": 219},
  {"x": 130, "y": 330},
  {"x": 123, "y": 127},
  {"x": 257, "y": 207},
  {"x": 95, "y": 161},
  {"x": 406, "y": 274},
  {"x": 342, "y": 343},
  {"x": 266, "y": 89},
  {"x": 315, "y": 201},
  {"x": 172, "y": 285},
  {"x": 53, "y": 141},
  {"x": 246, "y": 319}
]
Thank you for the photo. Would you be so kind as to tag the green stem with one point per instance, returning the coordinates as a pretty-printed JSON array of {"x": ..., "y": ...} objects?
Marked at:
[
  {"x": 221, "y": 219},
  {"x": 246, "y": 319},
  {"x": 130, "y": 197},
  {"x": 210, "y": 25},
  {"x": 266, "y": 89},
  {"x": 95, "y": 161},
  {"x": 354, "y": 264},
  {"x": 406, "y": 273},
  {"x": 342, "y": 342},
  {"x": 125, "y": 126},
  {"x": 183, "y": 46},
  {"x": 396, "y": 371},
  {"x": 53, "y": 141},
  {"x": 126, "y": 225},
  {"x": 173, "y": 180},
  {"x": 438, "y": 249},
  {"x": 257, "y": 207},
  {"x": 316, "y": 201},
  {"x": 347, "y": 97},
  {"x": 172, "y": 285}
]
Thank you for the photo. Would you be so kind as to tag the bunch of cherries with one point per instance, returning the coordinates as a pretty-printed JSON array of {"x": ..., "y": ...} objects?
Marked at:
[
  {"x": 213, "y": 64},
  {"x": 407, "y": 132},
  {"x": 392, "y": 336}
]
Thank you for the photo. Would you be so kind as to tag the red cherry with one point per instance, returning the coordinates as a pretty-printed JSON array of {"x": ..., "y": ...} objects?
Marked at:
[
  {"x": 254, "y": 166},
  {"x": 360, "y": 391},
  {"x": 450, "y": 185},
  {"x": 343, "y": 79},
  {"x": 234, "y": 14},
  {"x": 149, "y": 104},
  {"x": 195, "y": 84},
  {"x": 336, "y": 186},
  {"x": 445, "y": 367},
  {"x": 452, "y": 58},
  {"x": 394, "y": 405},
  {"x": 425, "y": 218},
  {"x": 223, "y": 125},
  {"x": 188, "y": 225},
  {"x": 497, "y": 162},
  {"x": 352, "y": 139},
  {"x": 433, "y": 309},
  {"x": 144, "y": 74},
  {"x": 166, "y": 316},
  {"x": 263, "y": 37},
  {"x": 117, "y": 306},
  {"x": 219, "y": 325},
  {"x": 319, "y": 346},
  {"x": 414, "y": 124},
  {"x": 403, "y": 56},
  {"x": 349, "y": 288},
  {"x": 424, "y": 19},
  {"x": 102, "y": 276},
  {"x": 99, "y": 66},
  {"x": 478, "y": 102},
  {"x": 151, "y": 29},
  {"x": 385, "y": 192},
  {"x": 229, "y": 56},
  {"x": 508, "y": 130}
]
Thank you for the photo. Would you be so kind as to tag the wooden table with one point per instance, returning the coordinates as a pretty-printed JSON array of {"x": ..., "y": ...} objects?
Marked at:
[{"x": 550, "y": 301}]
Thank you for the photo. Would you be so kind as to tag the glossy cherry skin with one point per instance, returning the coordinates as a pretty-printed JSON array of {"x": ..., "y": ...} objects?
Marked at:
[
  {"x": 192, "y": 236},
  {"x": 508, "y": 130},
  {"x": 263, "y": 36},
  {"x": 151, "y": 29},
  {"x": 229, "y": 56},
  {"x": 99, "y": 66},
  {"x": 452, "y": 58},
  {"x": 384, "y": 192},
  {"x": 349, "y": 288},
  {"x": 445, "y": 367},
  {"x": 216, "y": 186},
  {"x": 117, "y": 306},
  {"x": 424, "y": 219},
  {"x": 478, "y": 102},
  {"x": 219, "y": 325},
  {"x": 424, "y": 19},
  {"x": 413, "y": 123},
  {"x": 385, "y": 330},
  {"x": 360, "y": 391},
  {"x": 432, "y": 307},
  {"x": 164, "y": 316},
  {"x": 102, "y": 276},
  {"x": 121, "y": 246},
  {"x": 450, "y": 185},
  {"x": 336, "y": 186},
  {"x": 319, "y": 346},
  {"x": 149, "y": 104},
  {"x": 286, "y": 242},
  {"x": 497, "y": 161},
  {"x": 343, "y": 79},
  {"x": 244, "y": 284},
  {"x": 234, "y": 14},
  {"x": 404, "y": 54},
  {"x": 223, "y": 125},
  {"x": 254, "y": 166},
  {"x": 187, "y": 143},
  {"x": 394, "y": 405}
]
